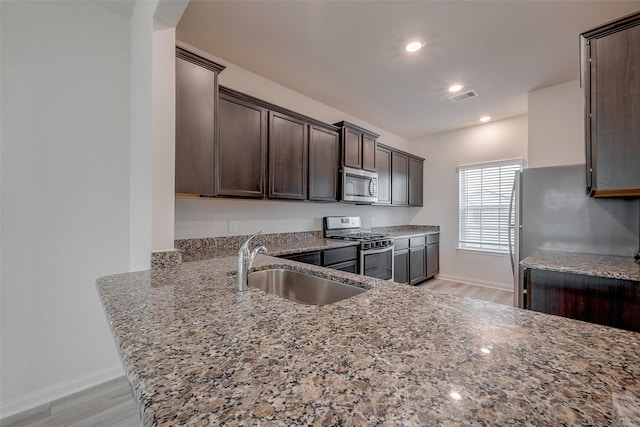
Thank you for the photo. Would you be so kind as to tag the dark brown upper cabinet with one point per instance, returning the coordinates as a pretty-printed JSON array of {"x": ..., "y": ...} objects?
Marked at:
[
  {"x": 288, "y": 157},
  {"x": 352, "y": 148},
  {"x": 415, "y": 181},
  {"x": 612, "y": 108},
  {"x": 368, "y": 152},
  {"x": 324, "y": 158},
  {"x": 274, "y": 152},
  {"x": 242, "y": 149},
  {"x": 196, "y": 123},
  {"x": 399, "y": 178},
  {"x": 358, "y": 146},
  {"x": 383, "y": 167}
]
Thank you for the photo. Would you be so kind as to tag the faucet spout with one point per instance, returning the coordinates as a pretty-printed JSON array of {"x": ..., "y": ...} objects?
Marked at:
[{"x": 245, "y": 262}]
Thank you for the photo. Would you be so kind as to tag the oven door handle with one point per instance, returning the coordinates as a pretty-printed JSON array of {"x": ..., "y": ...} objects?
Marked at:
[{"x": 377, "y": 251}]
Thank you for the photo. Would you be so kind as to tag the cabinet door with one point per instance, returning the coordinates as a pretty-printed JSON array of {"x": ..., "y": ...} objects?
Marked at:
[
  {"x": 401, "y": 267},
  {"x": 399, "y": 178},
  {"x": 348, "y": 266},
  {"x": 415, "y": 182},
  {"x": 417, "y": 265},
  {"x": 615, "y": 113},
  {"x": 242, "y": 148},
  {"x": 368, "y": 153},
  {"x": 196, "y": 89},
  {"x": 339, "y": 255},
  {"x": 288, "y": 154},
  {"x": 433, "y": 259},
  {"x": 323, "y": 164},
  {"x": 352, "y": 148},
  {"x": 306, "y": 257},
  {"x": 600, "y": 300},
  {"x": 383, "y": 167}
]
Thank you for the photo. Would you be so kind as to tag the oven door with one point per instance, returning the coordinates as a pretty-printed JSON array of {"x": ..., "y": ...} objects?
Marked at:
[{"x": 377, "y": 263}]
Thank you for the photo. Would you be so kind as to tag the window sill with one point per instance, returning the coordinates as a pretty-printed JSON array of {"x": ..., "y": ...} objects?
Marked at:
[{"x": 483, "y": 252}]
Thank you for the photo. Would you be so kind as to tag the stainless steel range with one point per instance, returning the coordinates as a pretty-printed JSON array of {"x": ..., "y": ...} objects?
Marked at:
[{"x": 375, "y": 250}]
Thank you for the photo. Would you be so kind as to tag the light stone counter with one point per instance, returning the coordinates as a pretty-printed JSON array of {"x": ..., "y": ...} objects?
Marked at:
[
  {"x": 199, "y": 353},
  {"x": 613, "y": 267},
  {"x": 277, "y": 244}
]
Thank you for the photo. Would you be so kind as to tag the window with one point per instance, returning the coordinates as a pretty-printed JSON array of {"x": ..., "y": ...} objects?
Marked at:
[{"x": 485, "y": 196}]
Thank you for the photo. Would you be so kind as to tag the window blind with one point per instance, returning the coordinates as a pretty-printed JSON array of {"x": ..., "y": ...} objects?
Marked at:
[{"x": 484, "y": 196}]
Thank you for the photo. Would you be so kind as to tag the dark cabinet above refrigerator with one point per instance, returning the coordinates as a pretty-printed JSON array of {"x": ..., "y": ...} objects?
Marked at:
[{"x": 612, "y": 108}]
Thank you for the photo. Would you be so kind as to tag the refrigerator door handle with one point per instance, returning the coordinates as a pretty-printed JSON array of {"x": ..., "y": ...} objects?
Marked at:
[{"x": 512, "y": 226}]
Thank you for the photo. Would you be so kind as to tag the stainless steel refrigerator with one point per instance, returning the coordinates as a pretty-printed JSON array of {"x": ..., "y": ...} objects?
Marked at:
[{"x": 550, "y": 210}]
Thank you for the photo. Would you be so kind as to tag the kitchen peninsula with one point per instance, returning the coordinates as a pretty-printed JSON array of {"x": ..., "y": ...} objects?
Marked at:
[{"x": 197, "y": 352}]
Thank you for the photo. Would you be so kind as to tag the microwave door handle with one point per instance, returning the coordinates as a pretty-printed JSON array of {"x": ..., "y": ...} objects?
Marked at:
[{"x": 371, "y": 187}]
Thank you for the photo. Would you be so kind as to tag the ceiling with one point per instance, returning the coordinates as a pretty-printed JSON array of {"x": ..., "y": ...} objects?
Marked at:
[{"x": 350, "y": 54}]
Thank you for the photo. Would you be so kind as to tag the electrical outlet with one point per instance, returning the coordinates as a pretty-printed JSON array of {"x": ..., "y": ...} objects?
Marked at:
[
  {"x": 373, "y": 221},
  {"x": 309, "y": 224},
  {"x": 233, "y": 226}
]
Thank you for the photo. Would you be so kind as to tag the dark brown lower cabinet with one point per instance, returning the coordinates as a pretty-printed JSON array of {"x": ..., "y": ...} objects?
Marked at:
[
  {"x": 401, "y": 266},
  {"x": 314, "y": 257},
  {"x": 343, "y": 259},
  {"x": 433, "y": 255},
  {"x": 417, "y": 265},
  {"x": 416, "y": 258},
  {"x": 605, "y": 301}
]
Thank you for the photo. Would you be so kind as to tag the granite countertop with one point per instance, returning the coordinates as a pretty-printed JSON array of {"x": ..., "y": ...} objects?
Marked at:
[
  {"x": 197, "y": 352},
  {"x": 613, "y": 267},
  {"x": 400, "y": 231},
  {"x": 201, "y": 249},
  {"x": 285, "y": 243}
]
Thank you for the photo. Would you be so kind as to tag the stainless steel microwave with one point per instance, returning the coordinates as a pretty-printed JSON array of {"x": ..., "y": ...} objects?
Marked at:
[{"x": 359, "y": 186}]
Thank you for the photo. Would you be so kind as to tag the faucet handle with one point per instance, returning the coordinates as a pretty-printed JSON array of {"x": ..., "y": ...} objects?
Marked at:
[
  {"x": 244, "y": 249},
  {"x": 258, "y": 250}
]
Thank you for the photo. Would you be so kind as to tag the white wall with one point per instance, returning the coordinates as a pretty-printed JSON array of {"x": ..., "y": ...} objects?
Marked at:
[
  {"x": 210, "y": 217},
  {"x": 140, "y": 192},
  {"x": 556, "y": 125},
  {"x": 207, "y": 218},
  {"x": 506, "y": 139},
  {"x": 65, "y": 113},
  {"x": 163, "y": 152}
]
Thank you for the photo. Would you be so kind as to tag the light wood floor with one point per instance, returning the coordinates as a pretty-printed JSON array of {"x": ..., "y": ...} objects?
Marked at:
[
  {"x": 498, "y": 296},
  {"x": 111, "y": 404}
]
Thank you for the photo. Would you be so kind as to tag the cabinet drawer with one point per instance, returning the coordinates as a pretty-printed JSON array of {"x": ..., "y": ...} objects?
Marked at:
[
  {"x": 433, "y": 238},
  {"x": 348, "y": 266},
  {"x": 338, "y": 255},
  {"x": 400, "y": 244},
  {"x": 417, "y": 241},
  {"x": 306, "y": 257}
]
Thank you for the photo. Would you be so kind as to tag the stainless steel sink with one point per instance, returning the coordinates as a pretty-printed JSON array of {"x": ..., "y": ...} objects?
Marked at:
[{"x": 302, "y": 288}]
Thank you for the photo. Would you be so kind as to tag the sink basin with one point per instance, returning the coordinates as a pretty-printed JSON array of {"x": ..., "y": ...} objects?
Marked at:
[{"x": 302, "y": 288}]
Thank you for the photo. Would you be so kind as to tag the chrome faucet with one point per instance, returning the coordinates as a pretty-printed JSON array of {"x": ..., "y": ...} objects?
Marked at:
[{"x": 245, "y": 262}]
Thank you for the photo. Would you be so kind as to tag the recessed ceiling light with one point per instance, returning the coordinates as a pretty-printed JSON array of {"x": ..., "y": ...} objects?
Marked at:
[
  {"x": 414, "y": 46},
  {"x": 455, "y": 88},
  {"x": 485, "y": 119}
]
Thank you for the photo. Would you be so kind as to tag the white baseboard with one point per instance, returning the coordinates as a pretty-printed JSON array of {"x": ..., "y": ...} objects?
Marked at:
[
  {"x": 50, "y": 394},
  {"x": 483, "y": 283}
]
